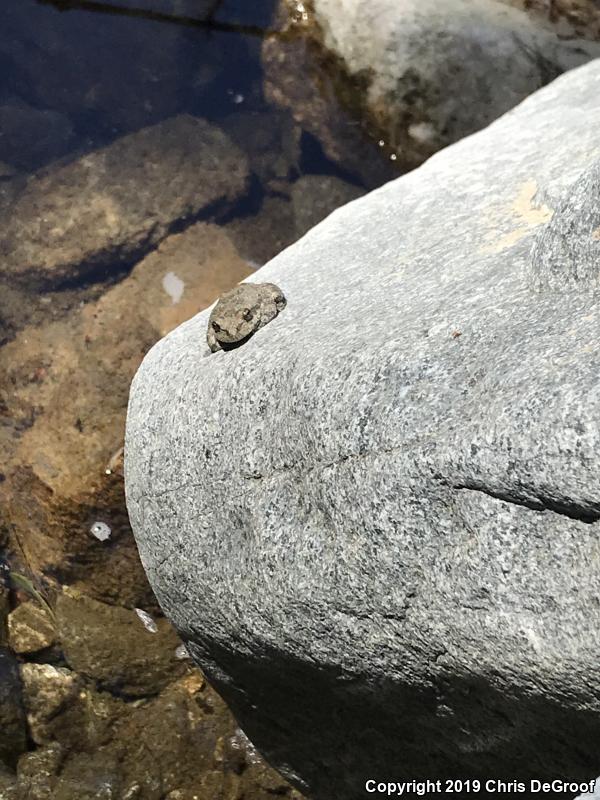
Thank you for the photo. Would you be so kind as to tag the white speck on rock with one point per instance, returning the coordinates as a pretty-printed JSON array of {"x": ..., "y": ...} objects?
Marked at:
[
  {"x": 147, "y": 620},
  {"x": 173, "y": 286},
  {"x": 100, "y": 530}
]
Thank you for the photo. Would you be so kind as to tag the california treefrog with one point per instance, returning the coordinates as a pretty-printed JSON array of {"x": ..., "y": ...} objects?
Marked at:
[{"x": 241, "y": 312}]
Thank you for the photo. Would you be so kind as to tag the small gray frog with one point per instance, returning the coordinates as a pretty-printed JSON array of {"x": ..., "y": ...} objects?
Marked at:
[{"x": 241, "y": 312}]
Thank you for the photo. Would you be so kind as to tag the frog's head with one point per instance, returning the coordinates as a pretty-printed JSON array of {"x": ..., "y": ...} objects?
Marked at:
[
  {"x": 234, "y": 325},
  {"x": 244, "y": 310}
]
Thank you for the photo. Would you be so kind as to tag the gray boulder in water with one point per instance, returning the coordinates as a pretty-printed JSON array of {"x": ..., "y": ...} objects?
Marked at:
[
  {"x": 376, "y": 523},
  {"x": 431, "y": 72}
]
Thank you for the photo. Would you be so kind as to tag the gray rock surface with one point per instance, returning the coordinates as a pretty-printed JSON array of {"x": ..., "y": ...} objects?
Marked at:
[
  {"x": 112, "y": 205},
  {"x": 376, "y": 524},
  {"x": 567, "y": 251},
  {"x": 431, "y": 73}
]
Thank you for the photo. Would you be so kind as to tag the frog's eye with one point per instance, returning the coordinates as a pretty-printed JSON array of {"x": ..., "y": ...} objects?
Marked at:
[
  {"x": 216, "y": 328},
  {"x": 247, "y": 315}
]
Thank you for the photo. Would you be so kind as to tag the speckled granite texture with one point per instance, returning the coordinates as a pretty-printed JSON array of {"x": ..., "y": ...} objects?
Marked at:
[{"x": 377, "y": 522}]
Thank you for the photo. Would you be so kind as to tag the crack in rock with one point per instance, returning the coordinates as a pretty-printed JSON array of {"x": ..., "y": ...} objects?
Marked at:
[{"x": 587, "y": 514}]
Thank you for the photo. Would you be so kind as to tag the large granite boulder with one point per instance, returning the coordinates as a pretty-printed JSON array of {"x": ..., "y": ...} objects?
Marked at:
[
  {"x": 425, "y": 73},
  {"x": 376, "y": 523}
]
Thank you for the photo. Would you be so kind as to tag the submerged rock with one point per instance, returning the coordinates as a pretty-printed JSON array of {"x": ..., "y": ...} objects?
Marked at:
[
  {"x": 13, "y": 730},
  {"x": 425, "y": 74},
  {"x": 31, "y": 137},
  {"x": 20, "y": 308},
  {"x": 37, "y": 773},
  {"x": 122, "y": 74},
  {"x": 4, "y": 611},
  {"x": 30, "y": 628},
  {"x": 569, "y": 18},
  {"x": 64, "y": 385},
  {"x": 176, "y": 742},
  {"x": 111, "y": 206},
  {"x": 261, "y": 236},
  {"x": 271, "y": 142},
  {"x": 110, "y": 645},
  {"x": 7, "y": 171},
  {"x": 378, "y": 522},
  {"x": 49, "y": 694},
  {"x": 8, "y": 784},
  {"x": 279, "y": 221},
  {"x": 314, "y": 197},
  {"x": 295, "y": 79}
]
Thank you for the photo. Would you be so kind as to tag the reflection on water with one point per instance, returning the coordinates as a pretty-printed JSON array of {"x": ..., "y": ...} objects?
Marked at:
[{"x": 142, "y": 173}]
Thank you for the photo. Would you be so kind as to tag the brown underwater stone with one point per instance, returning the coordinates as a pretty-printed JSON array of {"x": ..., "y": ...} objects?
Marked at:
[{"x": 113, "y": 205}]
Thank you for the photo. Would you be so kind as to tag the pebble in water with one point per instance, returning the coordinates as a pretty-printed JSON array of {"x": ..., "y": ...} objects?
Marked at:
[
  {"x": 181, "y": 652},
  {"x": 100, "y": 530},
  {"x": 147, "y": 620},
  {"x": 173, "y": 286}
]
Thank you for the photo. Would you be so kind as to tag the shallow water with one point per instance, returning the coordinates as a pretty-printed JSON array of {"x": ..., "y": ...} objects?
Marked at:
[
  {"x": 95, "y": 268},
  {"x": 77, "y": 76}
]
